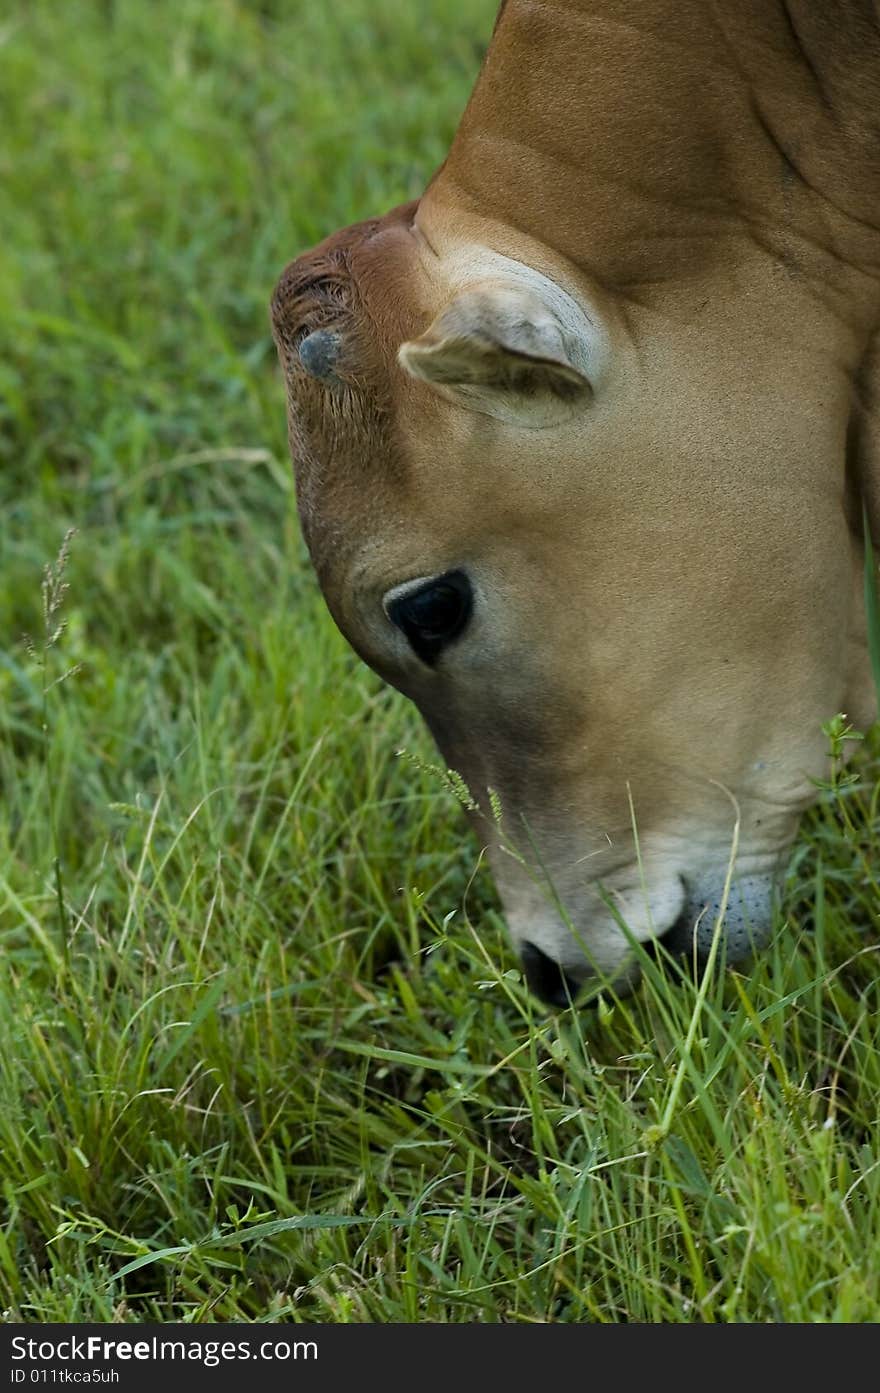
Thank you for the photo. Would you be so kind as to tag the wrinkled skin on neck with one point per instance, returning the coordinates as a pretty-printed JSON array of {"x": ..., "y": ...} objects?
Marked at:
[{"x": 618, "y": 368}]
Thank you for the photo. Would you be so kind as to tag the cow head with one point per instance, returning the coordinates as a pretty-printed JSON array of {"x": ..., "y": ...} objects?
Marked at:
[{"x": 603, "y": 545}]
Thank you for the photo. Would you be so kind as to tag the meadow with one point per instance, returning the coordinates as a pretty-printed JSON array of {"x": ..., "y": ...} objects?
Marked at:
[{"x": 264, "y": 1052}]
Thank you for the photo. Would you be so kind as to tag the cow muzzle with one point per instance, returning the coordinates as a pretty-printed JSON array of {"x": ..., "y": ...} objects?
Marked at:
[
  {"x": 739, "y": 915},
  {"x": 744, "y": 927}
]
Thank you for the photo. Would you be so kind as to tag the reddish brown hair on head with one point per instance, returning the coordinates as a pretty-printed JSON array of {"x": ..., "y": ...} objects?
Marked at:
[{"x": 339, "y": 417}]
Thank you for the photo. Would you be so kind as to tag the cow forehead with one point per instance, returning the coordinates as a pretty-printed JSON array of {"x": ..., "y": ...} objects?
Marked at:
[{"x": 348, "y": 298}]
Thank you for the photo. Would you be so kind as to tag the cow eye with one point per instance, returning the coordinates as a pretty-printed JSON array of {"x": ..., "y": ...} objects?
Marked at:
[{"x": 432, "y": 615}]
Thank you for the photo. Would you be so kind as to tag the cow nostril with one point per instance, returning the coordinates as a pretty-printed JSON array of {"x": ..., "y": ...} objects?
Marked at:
[{"x": 546, "y": 978}]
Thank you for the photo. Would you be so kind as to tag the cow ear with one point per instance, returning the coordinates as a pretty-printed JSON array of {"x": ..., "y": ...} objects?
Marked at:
[{"x": 504, "y": 351}]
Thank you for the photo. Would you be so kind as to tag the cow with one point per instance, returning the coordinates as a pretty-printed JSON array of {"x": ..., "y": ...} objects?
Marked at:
[{"x": 583, "y": 442}]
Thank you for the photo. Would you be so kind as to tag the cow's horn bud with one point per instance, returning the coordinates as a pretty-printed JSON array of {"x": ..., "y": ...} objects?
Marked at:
[{"x": 318, "y": 353}]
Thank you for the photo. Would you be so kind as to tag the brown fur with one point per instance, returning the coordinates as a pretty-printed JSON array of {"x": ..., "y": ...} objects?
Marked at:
[{"x": 340, "y": 430}]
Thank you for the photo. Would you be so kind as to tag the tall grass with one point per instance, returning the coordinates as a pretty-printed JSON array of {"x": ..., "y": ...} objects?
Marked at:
[{"x": 264, "y": 1053}]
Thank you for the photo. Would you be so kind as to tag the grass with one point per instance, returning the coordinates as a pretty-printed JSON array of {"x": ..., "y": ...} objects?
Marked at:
[{"x": 264, "y": 1053}]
